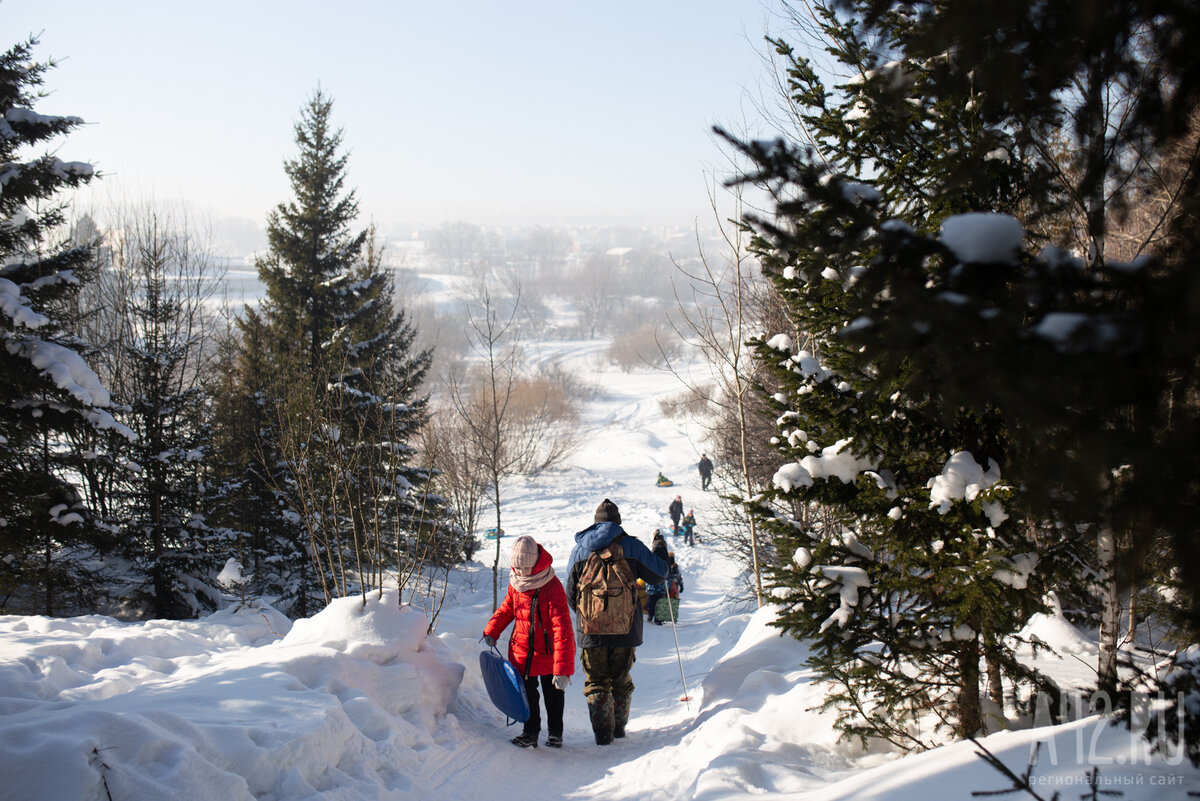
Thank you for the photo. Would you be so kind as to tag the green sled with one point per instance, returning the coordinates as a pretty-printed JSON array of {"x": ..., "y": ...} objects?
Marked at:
[{"x": 667, "y": 609}]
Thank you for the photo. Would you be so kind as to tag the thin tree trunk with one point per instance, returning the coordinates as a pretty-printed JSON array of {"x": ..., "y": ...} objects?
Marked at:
[
  {"x": 742, "y": 388},
  {"x": 48, "y": 555},
  {"x": 496, "y": 561},
  {"x": 1110, "y": 613},
  {"x": 1095, "y": 169},
  {"x": 970, "y": 713},
  {"x": 995, "y": 680},
  {"x": 995, "y": 684},
  {"x": 749, "y": 487},
  {"x": 1132, "y": 616}
]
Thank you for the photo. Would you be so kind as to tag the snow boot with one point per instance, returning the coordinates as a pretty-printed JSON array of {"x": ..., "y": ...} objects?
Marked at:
[
  {"x": 553, "y": 741},
  {"x": 621, "y": 705},
  {"x": 600, "y": 710},
  {"x": 525, "y": 741}
]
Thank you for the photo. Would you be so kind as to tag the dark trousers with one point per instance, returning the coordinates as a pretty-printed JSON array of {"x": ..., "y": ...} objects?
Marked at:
[
  {"x": 653, "y": 600},
  {"x": 606, "y": 670},
  {"x": 555, "y": 701}
]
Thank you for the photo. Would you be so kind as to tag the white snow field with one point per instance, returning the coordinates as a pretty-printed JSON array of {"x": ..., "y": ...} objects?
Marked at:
[{"x": 358, "y": 703}]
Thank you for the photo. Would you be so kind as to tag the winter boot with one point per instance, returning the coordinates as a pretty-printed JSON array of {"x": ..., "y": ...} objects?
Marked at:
[
  {"x": 621, "y": 713},
  {"x": 600, "y": 710},
  {"x": 525, "y": 741}
]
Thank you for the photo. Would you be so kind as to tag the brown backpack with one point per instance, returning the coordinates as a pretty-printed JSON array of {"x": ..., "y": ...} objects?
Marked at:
[{"x": 607, "y": 592}]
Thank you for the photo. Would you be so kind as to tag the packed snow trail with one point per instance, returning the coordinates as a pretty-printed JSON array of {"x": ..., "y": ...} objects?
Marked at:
[{"x": 624, "y": 443}]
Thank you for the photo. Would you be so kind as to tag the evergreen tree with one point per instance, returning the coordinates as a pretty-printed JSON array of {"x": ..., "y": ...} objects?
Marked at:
[
  {"x": 163, "y": 281},
  {"x": 250, "y": 484},
  {"x": 1107, "y": 387},
  {"x": 49, "y": 394},
  {"x": 1079, "y": 374},
  {"x": 914, "y": 579},
  {"x": 312, "y": 250},
  {"x": 346, "y": 400},
  {"x": 379, "y": 391}
]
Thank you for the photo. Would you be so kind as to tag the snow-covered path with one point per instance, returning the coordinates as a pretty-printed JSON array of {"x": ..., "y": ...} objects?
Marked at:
[{"x": 625, "y": 443}]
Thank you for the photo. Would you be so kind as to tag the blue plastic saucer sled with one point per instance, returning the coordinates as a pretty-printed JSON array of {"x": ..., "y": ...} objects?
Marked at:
[{"x": 504, "y": 685}]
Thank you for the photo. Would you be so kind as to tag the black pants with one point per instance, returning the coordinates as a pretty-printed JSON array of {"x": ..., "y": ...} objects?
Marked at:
[
  {"x": 555, "y": 701},
  {"x": 652, "y": 601}
]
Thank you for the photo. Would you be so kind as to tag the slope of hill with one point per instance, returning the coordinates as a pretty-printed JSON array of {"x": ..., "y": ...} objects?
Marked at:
[{"x": 359, "y": 703}]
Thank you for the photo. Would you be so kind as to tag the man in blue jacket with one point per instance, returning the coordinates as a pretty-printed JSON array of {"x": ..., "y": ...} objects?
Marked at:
[{"x": 608, "y": 658}]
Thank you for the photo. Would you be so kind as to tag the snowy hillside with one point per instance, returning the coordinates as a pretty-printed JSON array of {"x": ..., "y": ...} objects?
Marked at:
[{"x": 357, "y": 703}]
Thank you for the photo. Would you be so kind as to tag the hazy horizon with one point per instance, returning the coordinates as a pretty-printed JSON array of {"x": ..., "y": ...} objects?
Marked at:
[{"x": 540, "y": 114}]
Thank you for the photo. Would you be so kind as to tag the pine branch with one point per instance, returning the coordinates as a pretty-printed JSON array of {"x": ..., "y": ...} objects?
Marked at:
[
  {"x": 95, "y": 759},
  {"x": 1019, "y": 783},
  {"x": 1096, "y": 792}
]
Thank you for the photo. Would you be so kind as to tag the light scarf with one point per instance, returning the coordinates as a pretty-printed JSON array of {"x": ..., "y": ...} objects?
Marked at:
[{"x": 530, "y": 583}]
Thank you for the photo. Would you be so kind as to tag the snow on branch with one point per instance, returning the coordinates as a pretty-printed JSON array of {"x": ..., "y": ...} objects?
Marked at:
[
  {"x": 781, "y": 342},
  {"x": 64, "y": 367},
  {"x": 963, "y": 479},
  {"x": 14, "y": 305},
  {"x": 56, "y": 514},
  {"x": 847, "y": 582},
  {"x": 835, "y": 461},
  {"x": 808, "y": 366},
  {"x": 983, "y": 238},
  {"x": 1017, "y": 574},
  {"x": 1078, "y": 332}
]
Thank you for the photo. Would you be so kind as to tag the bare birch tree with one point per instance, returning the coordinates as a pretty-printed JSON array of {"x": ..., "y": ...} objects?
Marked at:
[
  {"x": 504, "y": 423},
  {"x": 483, "y": 410},
  {"x": 715, "y": 319}
]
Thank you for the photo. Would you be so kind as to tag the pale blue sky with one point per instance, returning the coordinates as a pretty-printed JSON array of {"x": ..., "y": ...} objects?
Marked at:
[{"x": 491, "y": 112}]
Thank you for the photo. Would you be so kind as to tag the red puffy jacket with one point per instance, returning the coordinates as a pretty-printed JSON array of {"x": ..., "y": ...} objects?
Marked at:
[{"x": 553, "y": 634}]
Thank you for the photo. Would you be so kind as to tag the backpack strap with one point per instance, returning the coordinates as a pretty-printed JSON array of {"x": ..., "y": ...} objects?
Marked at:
[
  {"x": 532, "y": 625},
  {"x": 614, "y": 541},
  {"x": 545, "y": 632}
]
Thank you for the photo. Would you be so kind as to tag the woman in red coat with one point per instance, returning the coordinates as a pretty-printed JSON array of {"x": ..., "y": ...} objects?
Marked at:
[{"x": 543, "y": 641}]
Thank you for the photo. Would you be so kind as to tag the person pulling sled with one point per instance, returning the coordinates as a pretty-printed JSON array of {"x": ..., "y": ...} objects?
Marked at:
[
  {"x": 689, "y": 528},
  {"x": 656, "y": 592},
  {"x": 675, "y": 510},
  {"x": 667, "y": 608},
  {"x": 542, "y": 646}
]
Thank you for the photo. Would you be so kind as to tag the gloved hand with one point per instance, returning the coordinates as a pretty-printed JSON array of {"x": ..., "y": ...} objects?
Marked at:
[
  {"x": 561, "y": 682},
  {"x": 490, "y": 642}
]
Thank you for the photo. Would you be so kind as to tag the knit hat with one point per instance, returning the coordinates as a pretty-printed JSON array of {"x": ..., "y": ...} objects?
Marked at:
[
  {"x": 524, "y": 553},
  {"x": 607, "y": 512}
]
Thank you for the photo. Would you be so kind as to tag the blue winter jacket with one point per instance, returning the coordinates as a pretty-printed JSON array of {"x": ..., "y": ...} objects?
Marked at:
[{"x": 644, "y": 564}]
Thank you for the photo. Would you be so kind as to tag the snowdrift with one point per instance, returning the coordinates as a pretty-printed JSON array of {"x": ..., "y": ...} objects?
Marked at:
[{"x": 339, "y": 707}]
